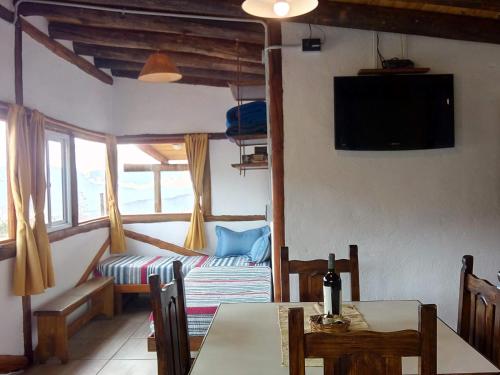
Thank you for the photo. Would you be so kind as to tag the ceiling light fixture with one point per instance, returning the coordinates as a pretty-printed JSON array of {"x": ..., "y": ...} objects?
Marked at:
[
  {"x": 159, "y": 68},
  {"x": 278, "y": 8}
]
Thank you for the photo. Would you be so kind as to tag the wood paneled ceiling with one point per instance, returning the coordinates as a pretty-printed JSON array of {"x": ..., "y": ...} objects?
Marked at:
[{"x": 207, "y": 52}]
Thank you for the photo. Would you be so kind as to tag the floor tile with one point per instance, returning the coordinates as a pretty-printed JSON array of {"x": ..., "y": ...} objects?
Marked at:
[
  {"x": 143, "y": 331},
  {"x": 130, "y": 367},
  {"x": 96, "y": 348},
  {"x": 135, "y": 349},
  {"x": 120, "y": 326},
  {"x": 85, "y": 367}
]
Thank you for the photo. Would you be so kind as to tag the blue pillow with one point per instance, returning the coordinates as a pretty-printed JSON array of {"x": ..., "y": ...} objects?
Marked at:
[
  {"x": 231, "y": 243},
  {"x": 261, "y": 249}
]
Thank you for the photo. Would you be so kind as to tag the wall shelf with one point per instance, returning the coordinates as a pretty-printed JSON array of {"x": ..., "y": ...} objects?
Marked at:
[
  {"x": 251, "y": 166},
  {"x": 249, "y": 139},
  {"x": 393, "y": 71}
]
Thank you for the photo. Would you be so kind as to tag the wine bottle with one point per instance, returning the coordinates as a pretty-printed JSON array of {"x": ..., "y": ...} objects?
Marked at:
[{"x": 332, "y": 290}]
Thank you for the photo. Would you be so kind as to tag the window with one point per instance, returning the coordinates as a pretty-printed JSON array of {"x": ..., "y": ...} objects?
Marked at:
[
  {"x": 90, "y": 159},
  {"x": 4, "y": 202},
  {"x": 154, "y": 178},
  {"x": 58, "y": 199}
]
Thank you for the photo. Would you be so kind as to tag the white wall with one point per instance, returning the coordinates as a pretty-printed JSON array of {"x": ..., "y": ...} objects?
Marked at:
[
  {"x": 64, "y": 92},
  {"x": 412, "y": 213},
  {"x": 141, "y": 108}
]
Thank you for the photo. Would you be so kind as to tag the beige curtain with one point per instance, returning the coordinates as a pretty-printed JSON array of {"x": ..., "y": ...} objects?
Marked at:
[
  {"x": 33, "y": 271},
  {"x": 117, "y": 234},
  {"x": 38, "y": 192},
  {"x": 196, "y": 150}
]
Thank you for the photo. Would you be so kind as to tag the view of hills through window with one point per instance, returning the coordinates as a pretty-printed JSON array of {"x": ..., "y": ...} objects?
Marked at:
[
  {"x": 90, "y": 158},
  {"x": 3, "y": 182},
  {"x": 154, "y": 179}
]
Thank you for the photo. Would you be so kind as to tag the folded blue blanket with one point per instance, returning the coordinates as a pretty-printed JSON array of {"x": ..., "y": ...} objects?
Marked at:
[{"x": 252, "y": 115}]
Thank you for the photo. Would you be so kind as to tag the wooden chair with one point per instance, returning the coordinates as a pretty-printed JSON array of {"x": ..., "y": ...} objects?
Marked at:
[
  {"x": 170, "y": 321},
  {"x": 364, "y": 352},
  {"x": 311, "y": 274},
  {"x": 479, "y": 312}
]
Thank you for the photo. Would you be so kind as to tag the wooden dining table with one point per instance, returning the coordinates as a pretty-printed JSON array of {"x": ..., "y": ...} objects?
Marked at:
[{"x": 245, "y": 339}]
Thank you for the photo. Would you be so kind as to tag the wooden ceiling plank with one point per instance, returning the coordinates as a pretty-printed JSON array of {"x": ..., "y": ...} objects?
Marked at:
[
  {"x": 184, "y": 80},
  {"x": 157, "y": 41},
  {"x": 65, "y": 53},
  {"x": 405, "y": 21},
  {"x": 430, "y": 6},
  {"x": 186, "y": 71},
  {"x": 244, "y": 32},
  {"x": 227, "y": 8},
  {"x": 154, "y": 153},
  {"x": 189, "y": 60}
]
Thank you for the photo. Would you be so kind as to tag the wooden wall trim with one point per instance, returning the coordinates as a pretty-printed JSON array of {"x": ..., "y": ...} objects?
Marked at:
[
  {"x": 65, "y": 53},
  {"x": 18, "y": 63},
  {"x": 90, "y": 268},
  {"x": 11, "y": 363},
  {"x": 162, "y": 138},
  {"x": 165, "y": 218},
  {"x": 160, "y": 244},
  {"x": 277, "y": 142},
  {"x": 6, "y": 14},
  {"x": 81, "y": 228}
]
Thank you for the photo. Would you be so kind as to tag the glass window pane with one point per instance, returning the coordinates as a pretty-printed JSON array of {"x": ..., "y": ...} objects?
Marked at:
[
  {"x": 135, "y": 189},
  {"x": 91, "y": 179},
  {"x": 4, "y": 228},
  {"x": 56, "y": 181},
  {"x": 176, "y": 192}
]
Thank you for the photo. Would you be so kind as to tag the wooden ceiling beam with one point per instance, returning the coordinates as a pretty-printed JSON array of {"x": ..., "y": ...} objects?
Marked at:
[
  {"x": 189, "y": 60},
  {"x": 437, "y": 6},
  {"x": 184, "y": 80},
  {"x": 227, "y": 8},
  {"x": 186, "y": 71},
  {"x": 6, "y": 14},
  {"x": 65, "y": 53},
  {"x": 244, "y": 32},
  {"x": 157, "y": 41},
  {"x": 405, "y": 21},
  {"x": 154, "y": 153}
]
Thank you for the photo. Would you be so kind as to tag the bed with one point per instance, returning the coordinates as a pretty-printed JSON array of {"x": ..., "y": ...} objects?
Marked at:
[
  {"x": 131, "y": 272},
  {"x": 207, "y": 287}
]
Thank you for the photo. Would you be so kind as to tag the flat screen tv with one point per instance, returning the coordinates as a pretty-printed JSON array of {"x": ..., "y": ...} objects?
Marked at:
[{"x": 394, "y": 112}]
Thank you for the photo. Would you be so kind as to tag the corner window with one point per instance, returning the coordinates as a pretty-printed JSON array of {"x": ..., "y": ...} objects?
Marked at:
[
  {"x": 58, "y": 199},
  {"x": 154, "y": 178},
  {"x": 90, "y": 160}
]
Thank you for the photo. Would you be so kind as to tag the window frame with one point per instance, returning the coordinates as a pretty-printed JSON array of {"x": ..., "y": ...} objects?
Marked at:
[
  {"x": 65, "y": 141},
  {"x": 206, "y": 198}
]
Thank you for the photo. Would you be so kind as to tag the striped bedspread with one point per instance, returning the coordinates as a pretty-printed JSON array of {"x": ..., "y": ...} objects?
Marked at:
[
  {"x": 135, "y": 269},
  {"x": 206, "y": 288}
]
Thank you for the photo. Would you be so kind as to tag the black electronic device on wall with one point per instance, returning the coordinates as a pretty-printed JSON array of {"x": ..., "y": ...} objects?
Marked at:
[{"x": 394, "y": 112}]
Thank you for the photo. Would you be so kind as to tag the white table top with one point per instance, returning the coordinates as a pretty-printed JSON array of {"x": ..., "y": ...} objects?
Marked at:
[{"x": 245, "y": 339}]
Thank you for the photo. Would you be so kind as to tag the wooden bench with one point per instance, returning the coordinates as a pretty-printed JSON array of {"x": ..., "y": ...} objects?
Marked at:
[{"x": 53, "y": 329}]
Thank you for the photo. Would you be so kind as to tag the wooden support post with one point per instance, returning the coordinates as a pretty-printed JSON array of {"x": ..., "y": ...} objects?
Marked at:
[
  {"x": 275, "y": 82},
  {"x": 157, "y": 184},
  {"x": 73, "y": 182},
  {"x": 18, "y": 63}
]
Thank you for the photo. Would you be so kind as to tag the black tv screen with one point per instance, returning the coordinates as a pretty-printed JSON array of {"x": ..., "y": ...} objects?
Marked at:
[{"x": 394, "y": 112}]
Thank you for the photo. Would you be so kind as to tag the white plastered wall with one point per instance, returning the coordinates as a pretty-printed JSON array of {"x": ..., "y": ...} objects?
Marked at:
[{"x": 412, "y": 213}]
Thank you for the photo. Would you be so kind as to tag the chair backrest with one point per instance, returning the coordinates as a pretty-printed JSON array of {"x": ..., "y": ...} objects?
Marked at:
[
  {"x": 170, "y": 322},
  {"x": 479, "y": 312},
  {"x": 364, "y": 352},
  {"x": 311, "y": 274}
]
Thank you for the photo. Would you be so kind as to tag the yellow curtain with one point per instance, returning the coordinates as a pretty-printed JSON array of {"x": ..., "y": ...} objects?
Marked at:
[
  {"x": 29, "y": 275},
  {"x": 117, "y": 235},
  {"x": 38, "y": 191},
  {"x": 196, "y": 150}
]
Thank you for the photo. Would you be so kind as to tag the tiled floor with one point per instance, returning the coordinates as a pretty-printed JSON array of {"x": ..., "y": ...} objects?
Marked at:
[{"x": 108, "y": 347}]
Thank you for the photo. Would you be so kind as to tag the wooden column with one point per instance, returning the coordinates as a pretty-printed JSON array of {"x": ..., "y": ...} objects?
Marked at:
[
  {"x": 18, "y": 84},
  {"x": 275, "y": 81},
  {"x": 157, "y": 183}
]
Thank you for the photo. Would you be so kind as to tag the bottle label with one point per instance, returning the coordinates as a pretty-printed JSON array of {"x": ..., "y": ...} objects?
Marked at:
[{"x": 327, "y": 300}]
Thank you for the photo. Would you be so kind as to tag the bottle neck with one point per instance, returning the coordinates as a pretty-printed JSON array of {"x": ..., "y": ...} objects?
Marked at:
[{"x": 331, "y": 263}]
